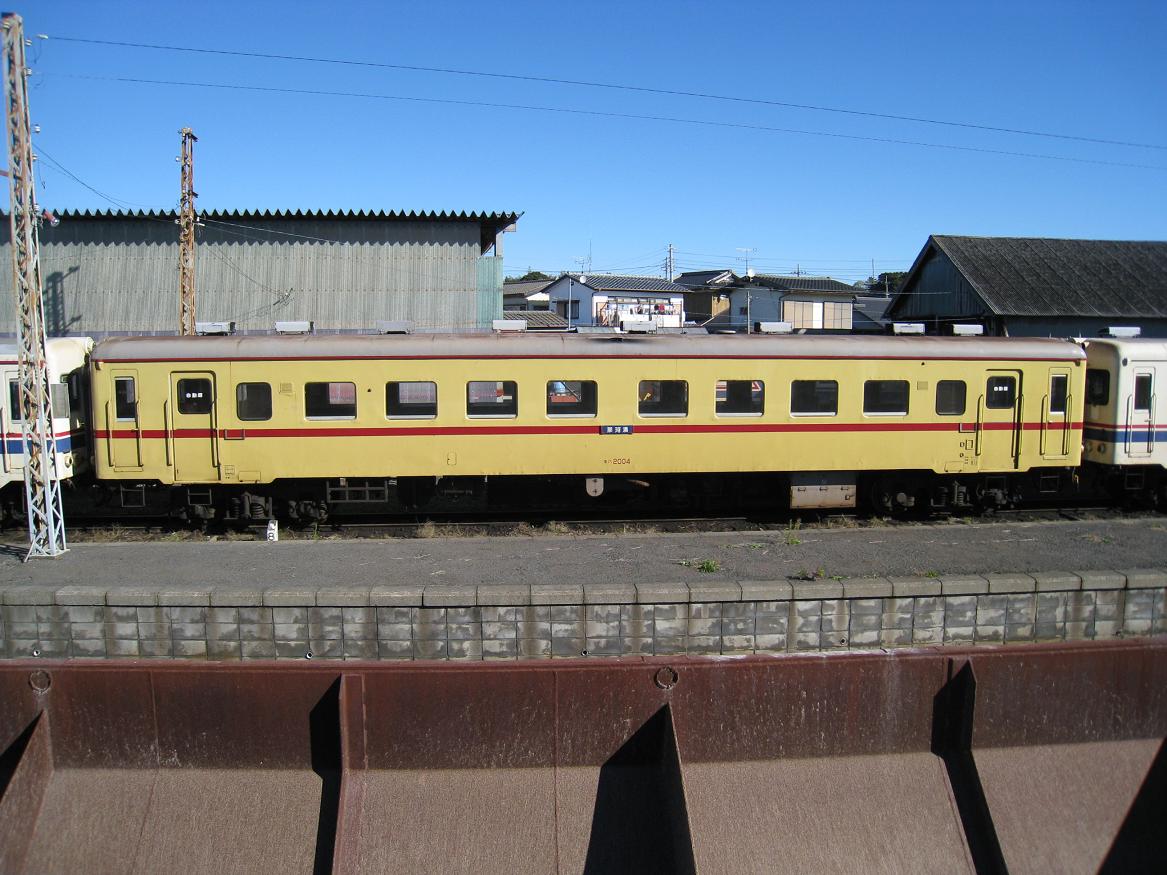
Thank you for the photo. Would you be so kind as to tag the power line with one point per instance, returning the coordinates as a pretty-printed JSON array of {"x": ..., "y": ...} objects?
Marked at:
[
  {"x": 608, "y": 114},
  {"x": 610, "y": 86}
]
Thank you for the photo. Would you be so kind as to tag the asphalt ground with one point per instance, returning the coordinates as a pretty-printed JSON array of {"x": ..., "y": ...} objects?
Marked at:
[{"x": 928, "y": 550}]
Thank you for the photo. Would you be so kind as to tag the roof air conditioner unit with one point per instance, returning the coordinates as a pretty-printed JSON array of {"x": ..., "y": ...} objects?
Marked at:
[
  {"x": 775, "y": 328},
  {"x": 1123, "y": 331},
  {"x": 214, "y": 328},
  {"x": 908, "y": 327},
  {"x": 304, "y": 327},
  {"x": 509, "y": 325},
  {"x": 637, "y": 325},
  {"x": 400, "y": 327},
  {"x": 968, "y": 330}
]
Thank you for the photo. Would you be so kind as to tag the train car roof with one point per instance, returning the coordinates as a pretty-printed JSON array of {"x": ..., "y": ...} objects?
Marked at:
[{"x": 520, "y": 346}]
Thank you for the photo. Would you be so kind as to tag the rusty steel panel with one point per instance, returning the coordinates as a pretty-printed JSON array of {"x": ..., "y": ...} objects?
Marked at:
[{"x": 1027, "y": 759}]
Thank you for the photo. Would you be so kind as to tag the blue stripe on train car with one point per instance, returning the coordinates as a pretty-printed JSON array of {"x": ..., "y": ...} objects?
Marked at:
[
  {"x": 15, "y": 446},
  {"x": 1122, "y": 435}
]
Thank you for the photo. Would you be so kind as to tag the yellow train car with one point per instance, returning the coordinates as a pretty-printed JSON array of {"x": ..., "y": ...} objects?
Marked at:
[{"x": 280, "y": 416}]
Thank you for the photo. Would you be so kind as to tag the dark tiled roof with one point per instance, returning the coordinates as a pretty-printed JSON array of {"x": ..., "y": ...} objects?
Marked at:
[
  {"x": 696, "y": 279},
  {"x": 525, "y": 287},
  {"x": 1036, "y": 276},
  {"x": 609, "y": 282},
  {"x": 803, "y": 283},
  {"x": 868, "y": 311},
  {"x": 398, "y": 215},
  {"x": 538, "y": 320}
]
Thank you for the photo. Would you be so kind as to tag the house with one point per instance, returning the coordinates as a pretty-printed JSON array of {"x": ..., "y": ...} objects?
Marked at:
[
  {"x": 1036, "y": 286},
  {"x": 807, "y": 303},
  {"x": 525, "y": 294},
  {"x": 593, "y": 300},
  {"x": 708, "y": 295}
]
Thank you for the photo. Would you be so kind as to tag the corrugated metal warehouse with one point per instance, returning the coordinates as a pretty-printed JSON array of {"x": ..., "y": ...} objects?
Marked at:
[{"x": 117, "y": 272}]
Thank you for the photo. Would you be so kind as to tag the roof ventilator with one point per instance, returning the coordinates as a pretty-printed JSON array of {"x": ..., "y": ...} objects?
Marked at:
[
  {"x": 775, "y": 328},
  {"x": 304, "y": 327},
  {"x": 637, "y": 325},
  {"x": 509, "y": 326},
  {"x": 393, "y": 327},
  {"x": 908, "y": 327},
  {"x": 974, "y": 330},
  {"x": 214, "y": 328}
]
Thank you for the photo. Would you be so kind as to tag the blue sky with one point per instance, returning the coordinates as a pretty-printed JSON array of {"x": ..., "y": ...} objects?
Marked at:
[{"x": 624, "y": 188}]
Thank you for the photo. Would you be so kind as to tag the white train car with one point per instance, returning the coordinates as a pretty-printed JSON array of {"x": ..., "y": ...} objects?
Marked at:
[
  {"x": 1126, "y": 409},
  {"x": 70, "y": 403}
]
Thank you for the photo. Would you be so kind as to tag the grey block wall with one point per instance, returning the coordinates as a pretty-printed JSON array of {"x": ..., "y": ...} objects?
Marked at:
[{"x": 554, "y": 622}]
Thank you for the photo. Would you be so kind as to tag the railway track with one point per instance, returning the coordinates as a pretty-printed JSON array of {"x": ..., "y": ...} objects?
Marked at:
[{"x": 540, "y": 526}]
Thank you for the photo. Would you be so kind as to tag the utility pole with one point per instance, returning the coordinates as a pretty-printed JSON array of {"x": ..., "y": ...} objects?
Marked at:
[
  {"x": 186, "y": 238},
  {"x": 669, "y": 264},
  {"x": 42, "y": 489}
]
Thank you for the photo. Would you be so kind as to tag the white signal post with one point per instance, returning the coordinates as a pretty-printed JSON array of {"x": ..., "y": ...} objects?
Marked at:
[{"x": 42, "y": 489}]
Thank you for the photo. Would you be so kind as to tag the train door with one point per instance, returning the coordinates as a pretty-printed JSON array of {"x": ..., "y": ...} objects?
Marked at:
[
  {"x": 1140, "y": 413},
  {"x": 11, "y": 428},
  {"x": 192, "y": 427},
  {"x": 1055, "y": 415},
  {"x": 123, "y": 425},
  {"x": 999, "y": 421}
]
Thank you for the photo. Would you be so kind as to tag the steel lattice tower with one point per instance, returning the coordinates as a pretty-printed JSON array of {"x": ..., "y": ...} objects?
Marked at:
[
  {"x": 186, "y": 238},
  {"x": 46, "y": 521}
]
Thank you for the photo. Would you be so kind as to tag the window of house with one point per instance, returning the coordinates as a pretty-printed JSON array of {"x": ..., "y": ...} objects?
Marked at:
[
  {"x": 571, "y": 398},
  {"x": 740, "y": 397},
  {"x": 492, "y": 398},
  {"x": 950, "y": 397},
  {"x": 414, "y": 400},
  {"x": 253, "y": 401},
  {"x": 1058, "y": 392},
  {"x": 814, "y": 397},
  {"x": 885, "y": 397},
  {"x": 195, "y": 395},
  {"x": 125, "y": 398},
  {"x": 663, "y": 397},
  {"x": 330, "y": 400},
  {"x": 1143, "y": 393},
  {"x": 1097, "y": 387},
  {"x": 837, "y": 314},
  {"x": 1000, "y": 393}
]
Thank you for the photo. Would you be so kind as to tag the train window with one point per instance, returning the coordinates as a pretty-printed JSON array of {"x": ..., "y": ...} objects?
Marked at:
[
  {"x": 1097, "y": 387},
  {"x": 1000, "y": 393},
  {"x": 14, "y": 401},
  {"x": 571, "y": 398},
  {"x": 77, "y": 396},
  {"x": 253, "y": 401},
  {"x": 411, "y": 400},
  {"x": 663, "y": 398},
  {"x": 1142, "y": 392},
  {"x": 492, "y": 398},
  {"x": 950, "y": 397},
  {"x": 814, "y": 398},
  {"x": 195, "y": 395},
  {"x": 885, "y": 397},
  {"x": 740, "y": 397},
  {"x": 125, "y": 398},
  {"x": 59, "y": 398},
  {"x": 330, "y": 400},
  {"x": 1058, "y": 389}
]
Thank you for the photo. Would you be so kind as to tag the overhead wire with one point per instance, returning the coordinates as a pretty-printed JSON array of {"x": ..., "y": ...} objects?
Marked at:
[
  {"x": 610, "y": 86},
  {"x": 594, "y": 113}
]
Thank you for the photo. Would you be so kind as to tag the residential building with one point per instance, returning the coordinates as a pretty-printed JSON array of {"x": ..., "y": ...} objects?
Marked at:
[
  {"x": 525, "y": 294},
  {"x": 807, "y": 303},
  {"x": 604, "y": 300}
]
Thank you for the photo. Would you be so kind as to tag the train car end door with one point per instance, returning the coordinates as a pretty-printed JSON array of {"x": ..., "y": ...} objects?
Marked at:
[{"x": 192, "y": 427}]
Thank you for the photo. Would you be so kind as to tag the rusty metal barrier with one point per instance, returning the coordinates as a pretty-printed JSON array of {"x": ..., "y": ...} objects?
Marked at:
[{"x": 1008, "y": 760}]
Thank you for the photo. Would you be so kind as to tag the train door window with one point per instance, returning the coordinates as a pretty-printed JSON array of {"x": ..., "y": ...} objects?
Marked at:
[
  {"x": 1000, "y": 393},
  {"x": 78, "y": 404},
  {"x": 1059, "y": 385},
  {"x": 571, "y": 398},
  {"x": 492, "y": 398},
  {"x": 195, "y": 395},
  {"x": 411, "y": 400},
  {"x": 663, "y": 398},
  {"x": 253, "y": 402},
  {"x": 1143, "y": 393},
  {"x": 59, "y": 398},
  {"x": 1097, "y": 387},
  {"x": 814, "y": 398},
  {"x": 740, "y": 397},
  {"x": 14, "y": 401},
  {"x": 125, "y": 399},
  {"x": 885, "y": 397},
  {"x": 950, "y": 397},
  {"x": 330, "y": 400}
]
